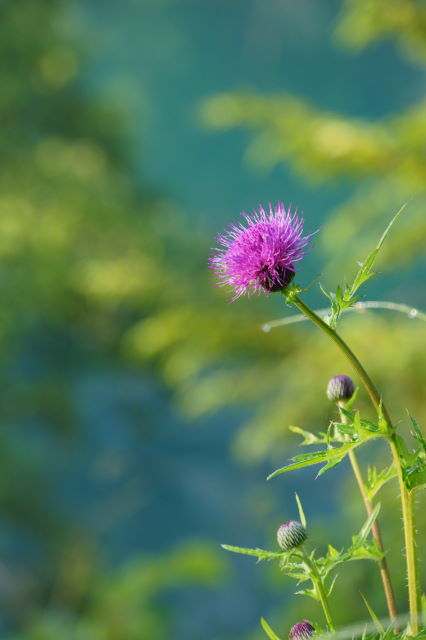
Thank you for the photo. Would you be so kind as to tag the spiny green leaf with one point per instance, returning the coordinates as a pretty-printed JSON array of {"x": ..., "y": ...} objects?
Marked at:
[
  {"x": 317, "y": 457},
  {"x": 267, "y": 629},
  {"x": 415, "y": 477},
  {"x": 331, "y": 587},
  {"x": 350, "y": 402},
  {"x": 300, "y": 577},
  {"x": 369, "y": 523},
  {"x": 261, "y": 554},
  {"x": 365, "y": 272},
  {"x": 363, "y": 552},
  {"x": 301, "y": 512},
  {"x": 343, "y": 429},
  {"x": 382, "y": 423},
  {"x": 376, "y": 480},
  {"x": 373, "y": 616},
  {"x": 332, "y": 552},
  {"x": 342, "y": 300},
  {"x": 311, "y": 593},
  {"x": 417, "y": 432},
  {"x": 308, "y": 437},
  {"x": 330, "y": 464}
]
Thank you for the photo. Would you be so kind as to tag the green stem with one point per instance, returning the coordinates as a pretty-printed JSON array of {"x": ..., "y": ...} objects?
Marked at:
[
  {"x": 375, "y": 529},
  {"x": 410, "y": 549},
  {"x": 406, "y": 501},
  {"x": 319, "y": 588}
]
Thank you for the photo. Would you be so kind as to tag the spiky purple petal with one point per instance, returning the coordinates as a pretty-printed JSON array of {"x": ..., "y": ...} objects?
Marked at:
[{"x": 262, "y": 254}]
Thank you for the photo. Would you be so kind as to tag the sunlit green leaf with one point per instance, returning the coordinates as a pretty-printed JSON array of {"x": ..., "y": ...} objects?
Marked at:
[
  {"x": 377, "y": 479},
  {"x": 369, "y": 523},
  {"x": 308, "y": 437},
  {"x": 335, "y": 454},
  {"x": 271, "y": 634},
  {"x": 373, "y": 616},
  {"x": 260, "y": 554},
  {"x": 301, "y": 512}
]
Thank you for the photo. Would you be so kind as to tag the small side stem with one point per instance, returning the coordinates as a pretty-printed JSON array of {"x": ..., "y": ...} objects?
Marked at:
[
  {"x": 319, "y": 587},
  {"x": 375, "y": 530},
  {"x": 406, "y": 503}
]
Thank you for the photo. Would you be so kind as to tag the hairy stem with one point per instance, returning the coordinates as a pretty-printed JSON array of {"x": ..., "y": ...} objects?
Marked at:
[
  {"x": 375, "y": 530},
  {"x": 376, "y": 400},
  {"x": 319, "y": 588},
  {"x": 410, "y": 548}
]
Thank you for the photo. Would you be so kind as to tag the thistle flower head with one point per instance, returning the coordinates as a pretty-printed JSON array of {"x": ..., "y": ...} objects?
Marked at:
[
  {"x": 301, "y": 631},
  {"x": 262, "y": 254},
  {"x": 291, "y": 535},
  {"x": 340, "y": 388}
]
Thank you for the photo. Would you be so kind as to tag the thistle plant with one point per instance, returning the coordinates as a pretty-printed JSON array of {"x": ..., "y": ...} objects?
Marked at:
[{"x": 262, "y": 255}]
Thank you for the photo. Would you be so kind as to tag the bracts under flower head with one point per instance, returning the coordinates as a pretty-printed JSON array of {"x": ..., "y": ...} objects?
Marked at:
[
  {"x": 301, "y": 631},
  {"x": 291, "y": 535},
  {"x": 340, "y": 388}
]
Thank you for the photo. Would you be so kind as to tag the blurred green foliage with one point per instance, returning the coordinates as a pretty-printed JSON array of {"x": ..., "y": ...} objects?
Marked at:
[
  {"x": 84, "y": 257},
  {"x": 88, "y": 604},
  {"x": 92, "y": 255}
]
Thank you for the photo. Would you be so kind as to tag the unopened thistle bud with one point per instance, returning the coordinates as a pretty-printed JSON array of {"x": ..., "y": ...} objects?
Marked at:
[
  {"x": 340, "y": 388},
  {"x": 291, "y": 535},
  {"x": 301, "y": 631}
]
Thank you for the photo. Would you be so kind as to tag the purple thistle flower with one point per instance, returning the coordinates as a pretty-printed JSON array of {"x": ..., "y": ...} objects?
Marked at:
[
  {"x": 340, "y": 388},
  {"x": 262, "y": 254},
  {"x": 291, "y": 535},
  {"x": 301, "y": 631}
]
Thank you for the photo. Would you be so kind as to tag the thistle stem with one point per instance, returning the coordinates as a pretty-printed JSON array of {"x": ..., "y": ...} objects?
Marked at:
[
  {"x": 375, "y": 530},
  {"x": 319, "y": 588},
  {"x": 406, "y": 501},
  {"x": 410, "y": 547}
]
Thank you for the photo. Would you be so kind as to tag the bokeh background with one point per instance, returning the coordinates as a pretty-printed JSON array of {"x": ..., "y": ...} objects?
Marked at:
[{"x": 140, "y": 411}]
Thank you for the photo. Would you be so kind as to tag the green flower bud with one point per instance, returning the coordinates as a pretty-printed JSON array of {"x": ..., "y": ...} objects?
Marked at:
[{"x": 291, "y": 535}]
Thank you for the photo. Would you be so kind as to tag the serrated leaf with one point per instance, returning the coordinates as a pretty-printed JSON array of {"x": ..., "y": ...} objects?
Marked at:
[
  {"x": 362, "y": 536},
  {"x": 344, "y": 429},
  {"x": 350, "y": 402},
  {"x": 376, "y": 480},
  {"x": 300, "y": 577},
  {"x": 340, "y": 301},
  {"x": 267, "y": 629},
  {"x": 261, "y": 554},
  {"x": 365, "y": 272},
  {"x": 331, "y": 587},
  {"x": 417, "y": 432},
  {"x": 317, "y": 457},
  {"x": 308, "y": 437},
  {"x": 364, "y": 552},
  {"x": 310, "y": 593},
  {"x": 415, "y": 477},
  {"x": 413, "y": 465},
  {"x": 373, "y": 616},
  {"x": 382, "y": 423},
  {"x": 301, "y": 512},
  {"x": 332, "y": 552},
  {"x": 330, "y": 464}
]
